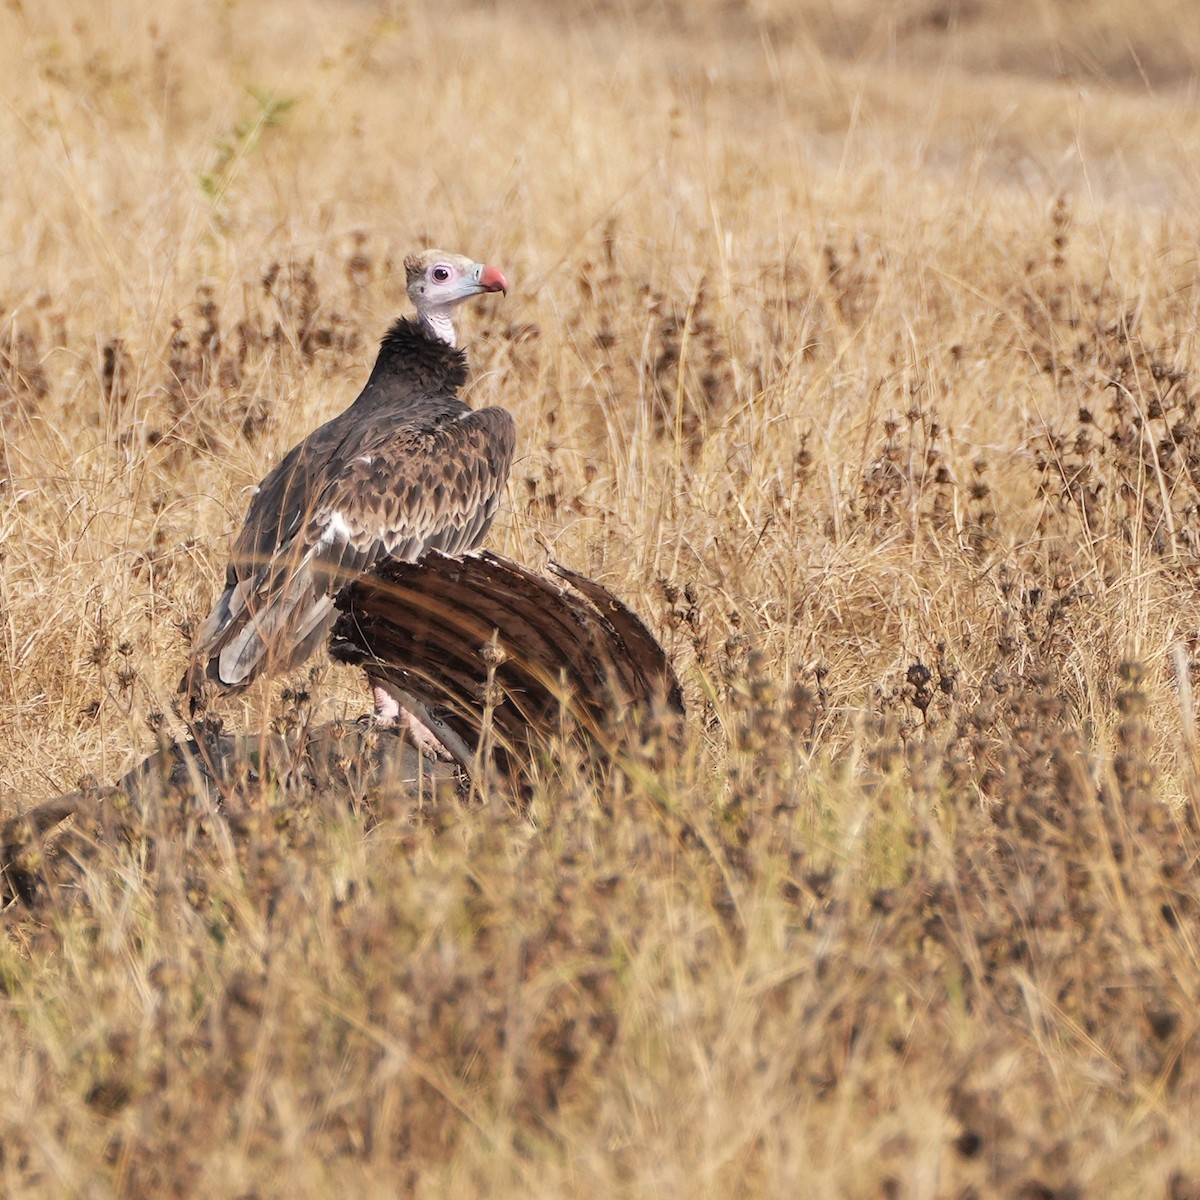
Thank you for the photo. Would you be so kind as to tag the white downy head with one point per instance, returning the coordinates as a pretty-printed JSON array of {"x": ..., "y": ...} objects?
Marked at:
[{"x": 439, "y": 281}]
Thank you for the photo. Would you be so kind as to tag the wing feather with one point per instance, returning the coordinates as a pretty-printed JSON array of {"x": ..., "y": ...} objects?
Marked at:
[{"x": 350, "y": 495}]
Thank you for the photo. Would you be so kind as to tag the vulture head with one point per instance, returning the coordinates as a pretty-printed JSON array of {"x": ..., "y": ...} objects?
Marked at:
[{"x": 438, "y": 280}]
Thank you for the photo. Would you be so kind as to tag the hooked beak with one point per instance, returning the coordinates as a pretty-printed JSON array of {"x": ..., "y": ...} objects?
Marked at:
[{"x": 490, "y": 279}]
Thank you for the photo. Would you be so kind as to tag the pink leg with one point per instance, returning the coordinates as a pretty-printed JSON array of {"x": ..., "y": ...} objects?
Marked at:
[
  {"x": 387, "y": 707},
  {"x": 390, "y": 714}
]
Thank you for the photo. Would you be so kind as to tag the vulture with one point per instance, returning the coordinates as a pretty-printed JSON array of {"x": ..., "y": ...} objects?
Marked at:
[{"x": 408, "y": 468}]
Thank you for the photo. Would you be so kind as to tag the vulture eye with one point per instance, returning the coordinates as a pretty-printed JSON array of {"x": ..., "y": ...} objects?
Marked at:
[{"x": 440, "y": 274}]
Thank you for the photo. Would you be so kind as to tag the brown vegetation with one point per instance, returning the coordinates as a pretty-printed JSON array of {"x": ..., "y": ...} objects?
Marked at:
[{"x": 853, "y": 346}]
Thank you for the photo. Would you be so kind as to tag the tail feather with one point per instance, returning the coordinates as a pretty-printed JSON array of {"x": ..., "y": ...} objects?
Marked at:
[
  {"x": 217, "y": 628},
  {"x": 239, "y": 641},
  {"x": 273, "y": 636}
]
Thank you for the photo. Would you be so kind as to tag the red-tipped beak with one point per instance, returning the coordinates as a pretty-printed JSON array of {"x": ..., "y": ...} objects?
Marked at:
[{"x": 492, "y": 280}]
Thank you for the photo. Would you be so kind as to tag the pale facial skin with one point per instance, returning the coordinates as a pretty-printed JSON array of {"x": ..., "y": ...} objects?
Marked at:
[{"x": 439, "y": 281}]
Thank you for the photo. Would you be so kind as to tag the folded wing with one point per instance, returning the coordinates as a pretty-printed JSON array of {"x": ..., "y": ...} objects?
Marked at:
[{"x": 340, "y": 502}]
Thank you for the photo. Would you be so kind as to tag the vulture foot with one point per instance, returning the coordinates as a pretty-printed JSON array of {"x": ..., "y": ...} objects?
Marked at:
[{"x": 391, "y": 714}]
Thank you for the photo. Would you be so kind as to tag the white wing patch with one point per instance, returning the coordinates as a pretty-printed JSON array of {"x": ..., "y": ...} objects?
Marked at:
[{"x": 336, "y": 530}]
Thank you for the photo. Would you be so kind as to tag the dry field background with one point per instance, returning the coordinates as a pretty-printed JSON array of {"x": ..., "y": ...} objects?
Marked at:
[{"x": 853, "y": 345}]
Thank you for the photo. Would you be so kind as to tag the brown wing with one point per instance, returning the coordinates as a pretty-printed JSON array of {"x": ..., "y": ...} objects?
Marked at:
[{"x": 338, "y": 503}]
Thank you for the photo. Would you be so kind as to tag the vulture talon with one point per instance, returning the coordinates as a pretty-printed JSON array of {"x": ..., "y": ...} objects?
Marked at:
[{"x": 391, "y": 715}]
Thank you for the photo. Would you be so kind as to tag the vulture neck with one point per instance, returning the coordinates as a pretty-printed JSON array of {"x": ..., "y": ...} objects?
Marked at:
[
  {"x": 415, "y": 359},
  {"x": 438, "y": 323}
]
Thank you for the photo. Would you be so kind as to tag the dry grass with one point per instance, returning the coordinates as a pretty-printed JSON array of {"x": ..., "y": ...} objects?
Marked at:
[{"x": 853, "y": 345}]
